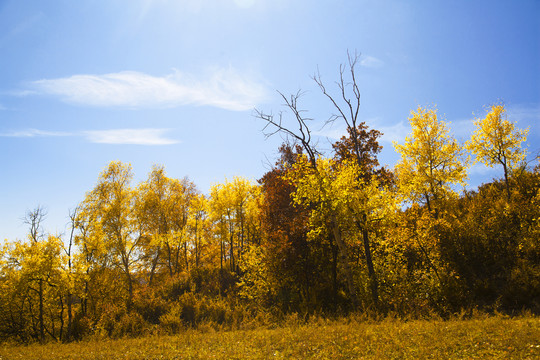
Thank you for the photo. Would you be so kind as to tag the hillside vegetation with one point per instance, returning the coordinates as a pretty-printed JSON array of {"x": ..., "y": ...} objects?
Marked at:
[{"x": 318, "y": 234}]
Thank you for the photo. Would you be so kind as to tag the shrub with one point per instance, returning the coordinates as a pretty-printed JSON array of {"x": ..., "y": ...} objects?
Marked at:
[
  {"x": 116, "y": 322},
  {"x": 150, "y": 304}
]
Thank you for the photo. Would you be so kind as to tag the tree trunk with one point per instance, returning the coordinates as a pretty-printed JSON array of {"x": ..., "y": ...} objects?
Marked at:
[
  {"x": 506, "y": 181},
  {"x": 186, "y": 256},
  {"x": 41, "y": 324},
  {"x": 344, "y": 256},
  {"x": 70, "y": 317},
  {"x": 334, "y": 270},
  {"x": 169, "y": 258},
  {"x": 129, "y": 301},
  {"x": 373, "y": 283},
  {"x": 153, "y": 270},
  {"x": 231, "y": 250},
  {"x": 61, "y": 332}
]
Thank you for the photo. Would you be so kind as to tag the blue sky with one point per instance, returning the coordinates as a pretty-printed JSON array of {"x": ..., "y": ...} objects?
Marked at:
[{"x": 175, "y": 83}]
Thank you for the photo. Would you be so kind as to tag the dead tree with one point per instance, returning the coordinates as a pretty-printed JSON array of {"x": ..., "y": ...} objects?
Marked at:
[
  {"x": 347, "y": 105},
  {"x": 303, "y": 136}
]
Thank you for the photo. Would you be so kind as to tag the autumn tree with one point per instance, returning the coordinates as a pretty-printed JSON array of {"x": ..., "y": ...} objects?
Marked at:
[
  {"x": 163, "y": 210},
  {"x": 361, "y": 145},
  {"x": 229, "y": 211},
  {"x": 32, "y": 284},
  {"x": 198, "y": 227},
  {"x": 34, "y": 219},
  {"x": 432, "y": 161},
  {"x": 282, "y": 269},
  {"x": 111, "y": 226},
  {"x": 303, "y": 136},
  {"x": 492, "y": 245},
  {"x": 353, "y": 204},
  {"x": 497, "y": 141}
]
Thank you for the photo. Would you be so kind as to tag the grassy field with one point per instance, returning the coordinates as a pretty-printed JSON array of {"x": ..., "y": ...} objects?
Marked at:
[{"x": 482, "y": 338}]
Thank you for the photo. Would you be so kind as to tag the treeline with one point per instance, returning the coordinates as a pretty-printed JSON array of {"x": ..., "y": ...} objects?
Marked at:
[{"x": 317, "y": 234}]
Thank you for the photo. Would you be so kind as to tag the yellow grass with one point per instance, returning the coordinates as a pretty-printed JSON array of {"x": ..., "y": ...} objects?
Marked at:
[{"x": 483, "y": 338}]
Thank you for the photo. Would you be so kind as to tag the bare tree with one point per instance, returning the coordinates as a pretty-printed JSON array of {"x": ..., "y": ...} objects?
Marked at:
[
  {"x": 34, "y": 218},
  {"x": 347, "y": 105},
  {"x": 303, "y": 135}
]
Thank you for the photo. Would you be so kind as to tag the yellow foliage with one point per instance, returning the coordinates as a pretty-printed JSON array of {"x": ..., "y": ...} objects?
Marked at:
[
  {"x": 496, "y": 141},
  {"x": 431, "y": 159},
  {"x": 232, "y": 209},
  {"x": 337, "y": 189}
]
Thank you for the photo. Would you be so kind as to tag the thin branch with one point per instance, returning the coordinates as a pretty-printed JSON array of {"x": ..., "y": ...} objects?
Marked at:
[{"x": 303, "y": 135}]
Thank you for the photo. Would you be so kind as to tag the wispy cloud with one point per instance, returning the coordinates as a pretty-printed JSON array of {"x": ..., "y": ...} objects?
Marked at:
[
  {"x": 130, "y": 136},
  {"x": 394, "y": 133},
  {"x": 28, "y": 133},
  {"x": 115, "y": 136},
  {"x": 524, "y": 113},
  {"x": 371, "y": 62},
  {"x": 222, "y": 88}
]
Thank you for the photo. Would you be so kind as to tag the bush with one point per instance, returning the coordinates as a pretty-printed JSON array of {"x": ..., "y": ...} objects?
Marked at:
[
  {"x": 130, "y": 324},
  {"x": 192, "y": 311},
  {"x": 82, "y": 326},
  {"x": 150, "y": 304},
  {"x": 116, "y": 322}
]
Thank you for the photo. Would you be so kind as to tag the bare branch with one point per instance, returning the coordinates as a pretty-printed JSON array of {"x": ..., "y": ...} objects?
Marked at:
[
  {"x": 318, "y": 80},
  {"x": 303, "y": 135},
  {"x": 34, "y": 218}
]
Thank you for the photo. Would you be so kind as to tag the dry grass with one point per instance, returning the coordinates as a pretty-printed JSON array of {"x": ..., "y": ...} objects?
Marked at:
[{"x": 482, "y": 338}]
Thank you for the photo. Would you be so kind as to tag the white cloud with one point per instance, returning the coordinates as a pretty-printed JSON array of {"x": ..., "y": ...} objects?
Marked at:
[
  {"x": 524, "y": 113},
  {"x": 129, "y": 136},
  {"x": 371, "y": 62},
  {"x": 222, "y": 88},
  {"x": 35, "y": 133},
  {"x": 115, "y": 136}
]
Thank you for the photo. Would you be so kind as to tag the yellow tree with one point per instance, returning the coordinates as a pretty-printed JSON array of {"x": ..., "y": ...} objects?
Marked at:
[
  {"x": 431, "y": 163},
  {"x": 163, "y": 209},
  {"x": 497, "y": 141},
  {"x": 32, "y": 280},
  {"x": 229, "y": 209},
  {"x": 198, "y": 226},
  {"x": 431, "y": 160},
  {"x": 92, "y": 263},
  {"x": 111, "y": 227},
  {"x": 341, "y": 201},
  {"x": 361, "y": 144}
]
